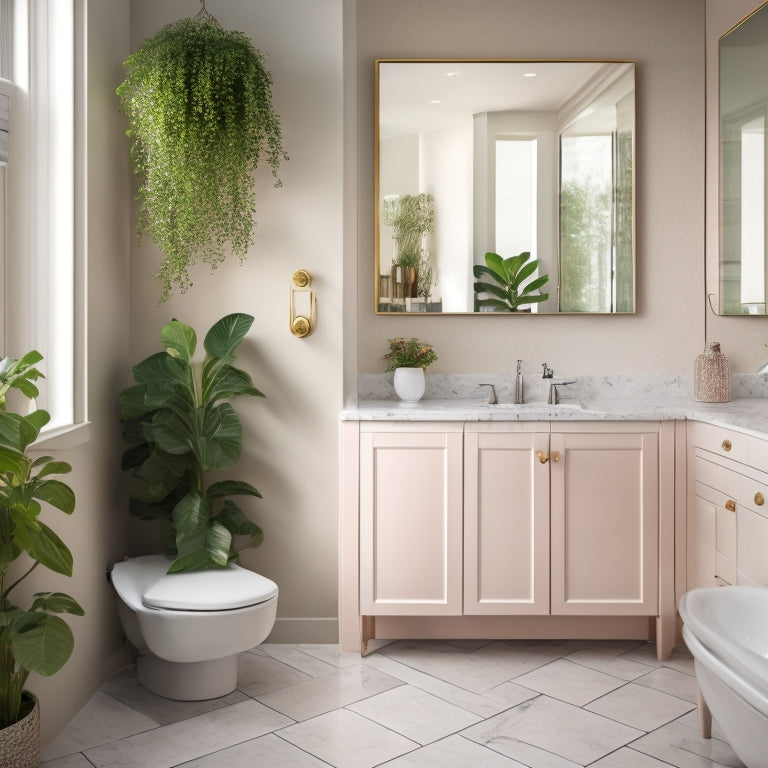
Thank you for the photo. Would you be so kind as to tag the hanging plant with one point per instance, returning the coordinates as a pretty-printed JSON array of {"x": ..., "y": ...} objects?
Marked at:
[{"x": 199, "y": 103}]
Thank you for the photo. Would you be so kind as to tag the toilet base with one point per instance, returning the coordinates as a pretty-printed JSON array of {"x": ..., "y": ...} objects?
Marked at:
[{"x": 188, "y": 681}]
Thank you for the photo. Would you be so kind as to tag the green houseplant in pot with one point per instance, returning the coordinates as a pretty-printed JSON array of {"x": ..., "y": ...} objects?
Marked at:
[
  {"x": 198, "y": 99},
  {"x": 501, "y": 285},
  {"x": 32, "y": 638},
  {"x": 179, "y": 427},
  {"x": 408, "y": 358}
]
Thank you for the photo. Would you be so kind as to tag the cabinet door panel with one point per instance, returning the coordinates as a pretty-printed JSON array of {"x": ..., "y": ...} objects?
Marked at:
[
  {"x": 702, "y": 542},
  {"x": 410, "y": 523},
  {"x": 605, "y": 524},
  {"x": 506, "y": 524}
]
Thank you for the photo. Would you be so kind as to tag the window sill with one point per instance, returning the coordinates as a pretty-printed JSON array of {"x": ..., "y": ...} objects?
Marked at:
[{"x": 62, "y": 438}]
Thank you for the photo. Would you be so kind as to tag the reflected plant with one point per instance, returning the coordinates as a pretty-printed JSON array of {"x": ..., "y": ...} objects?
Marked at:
[
  {"x": 411, "y": 217},
  {"x": 508, "y": 292}
]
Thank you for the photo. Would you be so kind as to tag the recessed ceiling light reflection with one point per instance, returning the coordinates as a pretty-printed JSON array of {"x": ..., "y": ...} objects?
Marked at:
[
  {"x": 452, "y": 74},
  {"x": 529, "y": 74}
]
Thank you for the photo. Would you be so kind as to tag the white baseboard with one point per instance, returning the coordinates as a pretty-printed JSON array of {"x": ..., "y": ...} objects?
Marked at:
[{"x": 304, "y": 631}]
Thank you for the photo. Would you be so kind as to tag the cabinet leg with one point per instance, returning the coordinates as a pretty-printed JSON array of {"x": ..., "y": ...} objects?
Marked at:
[
  {"x": 705, "y": 716},
  {"x": 367, "y": 632},
  {"x": 665, "y": 636}
]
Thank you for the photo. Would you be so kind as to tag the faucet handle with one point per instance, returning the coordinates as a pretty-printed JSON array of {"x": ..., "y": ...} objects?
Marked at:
[{"x": 548, "y": 372}]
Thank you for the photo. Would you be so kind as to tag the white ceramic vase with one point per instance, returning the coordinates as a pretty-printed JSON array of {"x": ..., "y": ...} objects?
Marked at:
[{"x": 410, "y": 384}]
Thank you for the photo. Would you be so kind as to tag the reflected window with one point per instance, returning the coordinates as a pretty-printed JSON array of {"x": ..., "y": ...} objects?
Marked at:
[
  {"x": 586, "y": 226},
  {"x": 516, "y": 196},
  {"x": 753, "y": 216}
]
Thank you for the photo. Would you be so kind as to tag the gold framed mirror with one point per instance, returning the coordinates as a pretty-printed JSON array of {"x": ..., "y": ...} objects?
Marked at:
[
  {"x": 743, "y": 257},
  {"x": 533, "y": 161}
]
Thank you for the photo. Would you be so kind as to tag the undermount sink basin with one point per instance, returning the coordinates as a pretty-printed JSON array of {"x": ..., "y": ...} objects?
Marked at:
[{"x": 562, "y": 405}]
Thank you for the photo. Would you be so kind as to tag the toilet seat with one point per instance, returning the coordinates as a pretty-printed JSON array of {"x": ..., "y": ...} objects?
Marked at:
[{"x": 221, "y": 589}]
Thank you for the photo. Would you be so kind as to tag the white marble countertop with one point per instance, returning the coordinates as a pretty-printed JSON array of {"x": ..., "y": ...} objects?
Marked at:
[{"x": 645, "y": 400}]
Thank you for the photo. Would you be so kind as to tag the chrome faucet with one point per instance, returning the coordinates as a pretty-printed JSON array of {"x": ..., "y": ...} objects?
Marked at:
[
  {"x": 554, "y": 393},
  {"x": 491, "y": 393}
]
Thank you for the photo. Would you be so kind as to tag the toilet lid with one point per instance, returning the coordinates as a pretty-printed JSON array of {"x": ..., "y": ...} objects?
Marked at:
[{"x": 221, "y": 589}]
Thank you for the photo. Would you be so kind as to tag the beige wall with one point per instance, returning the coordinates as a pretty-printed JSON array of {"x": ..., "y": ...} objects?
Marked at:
[
  {"x": 96, "y": 530},
  {"x": 666, "y": 40},
  {"x": 742, "y": 338},
  {"x": 290, "y": 437}
]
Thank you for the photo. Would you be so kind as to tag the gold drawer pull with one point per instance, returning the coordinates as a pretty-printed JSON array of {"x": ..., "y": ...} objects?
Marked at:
[
  {"x": 543, "y": 458},
  {"x": 727, "y": 445},
  {"x": 555, "y": 456},
  {"x": 759, "y": 499},
  {"x": 730, "y": 505}
]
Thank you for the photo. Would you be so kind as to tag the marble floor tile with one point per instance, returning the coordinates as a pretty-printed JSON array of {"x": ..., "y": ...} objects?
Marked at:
[
  {"x": 417, "y": 715},
  {"x": 259, "y": 673},
  {"x": 606, "y": 660},
  {"x": 125, "y": 687},
  {"x": 69, "y": 761},
  {"x": 322, "y": 694},
  {"x": 268, "y": 751},
  {"x": 476, "y": 671},
  {"x": 680, "y": 658},
  {"x": 171, "y": 745},
  {"x": 569, "y": 682},
  {"x": 331, "y": 654},
  {"x": 640, "y": 707},
  {"x": 683, "y": 747},
  {"x": 626, "y": 757},
  {"x": 296, "y": 658},
  {"x": 485, "y": 705},
  {"x": 555, "y": 728},
  {"x": 102, "y": 719},
  {"x": 453, "y": 752},
  {"x": 670, "y": 681},
  {"x": 345, "y": 739}
]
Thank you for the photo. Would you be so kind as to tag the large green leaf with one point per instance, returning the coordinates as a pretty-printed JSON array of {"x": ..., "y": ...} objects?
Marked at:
[
  {"x": 481, "y": 287},
  {"x": 225, "y": 488},
  {"x": 179, "y": 340},
  {"x": 56, "y": 602},
  {"x": 221, "y": 440},
  {"x": 221, "y": 381},
  {"x": 10, "y": 429},
  {"x": 161, "y": 465},
  {"x": 235, "y": 521},
  {"x": 41, "y": 543},
  {"x": 57, "y": 494},
  {"x": 224, "y": 336},
  {"x": 14, "y": 461},
  {"x": 496, "y": 265},
  {"x": 171, "y": 432},
  {"x": 160, "y": 369},
  {"x": 133, "y": 402},
  {"x": 45, "y": 647},
  {"x": 135, "y": 456}
]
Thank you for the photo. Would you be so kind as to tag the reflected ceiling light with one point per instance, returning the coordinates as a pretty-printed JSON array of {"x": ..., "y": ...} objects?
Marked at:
[
  {"x": 529, "y": 74},
  {"x": 452, "y": 74},
  {"x": 434, "y": 101}
]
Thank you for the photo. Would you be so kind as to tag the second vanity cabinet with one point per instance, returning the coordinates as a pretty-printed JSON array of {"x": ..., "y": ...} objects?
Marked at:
[
  {"x": 496, "y": 518},
  {"x": 727, "y": 510}
]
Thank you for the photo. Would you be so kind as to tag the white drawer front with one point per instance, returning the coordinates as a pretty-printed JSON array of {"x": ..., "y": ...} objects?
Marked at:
[{"x": 753, "y": 545}]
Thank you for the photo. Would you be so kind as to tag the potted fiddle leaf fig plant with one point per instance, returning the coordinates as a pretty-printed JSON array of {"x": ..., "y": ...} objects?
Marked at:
[
  {"x": 32, "y": 638},
  {"x": 508, "y": 291},
  {"x": 180, "y": 427},
  {"x": 198, "y": 99}
]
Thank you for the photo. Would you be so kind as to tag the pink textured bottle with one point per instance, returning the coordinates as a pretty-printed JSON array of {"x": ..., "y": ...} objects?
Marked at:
[{"x": 712, "y": 378}]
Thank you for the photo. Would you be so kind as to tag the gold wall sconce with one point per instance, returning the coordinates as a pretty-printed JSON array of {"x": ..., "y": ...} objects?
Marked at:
[{"x": 303, "y": 318}]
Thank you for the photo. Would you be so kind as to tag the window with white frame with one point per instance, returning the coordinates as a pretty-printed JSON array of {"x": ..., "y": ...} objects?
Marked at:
[{"x": 44, "y": 205}]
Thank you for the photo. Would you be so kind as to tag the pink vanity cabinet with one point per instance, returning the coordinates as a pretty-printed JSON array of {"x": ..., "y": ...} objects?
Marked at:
[
  {"x": 506, "y": 530},
  {"x": 727, "y": 532}
]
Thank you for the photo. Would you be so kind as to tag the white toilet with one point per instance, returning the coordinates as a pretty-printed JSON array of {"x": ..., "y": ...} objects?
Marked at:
[{"x": 188, "y": 628}]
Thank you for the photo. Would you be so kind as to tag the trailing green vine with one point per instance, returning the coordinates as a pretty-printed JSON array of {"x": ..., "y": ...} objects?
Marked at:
[{"x": 198, "y": 100}]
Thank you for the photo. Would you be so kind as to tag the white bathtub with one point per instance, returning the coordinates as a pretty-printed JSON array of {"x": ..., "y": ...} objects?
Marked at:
[{"x": 726, "y": 630}]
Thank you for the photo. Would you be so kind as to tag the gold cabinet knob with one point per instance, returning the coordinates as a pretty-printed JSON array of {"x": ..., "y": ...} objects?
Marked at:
[
  {"x": 555, "y": 456},
  {"x": 300, "y": 326},
  {"x": 727, "y": 445},
  {"x": 543, "y": 458},
  {"x": 730, "y": 505},
  {"x": 301, "y": 278},
  {"x": 759, "y": 499}
]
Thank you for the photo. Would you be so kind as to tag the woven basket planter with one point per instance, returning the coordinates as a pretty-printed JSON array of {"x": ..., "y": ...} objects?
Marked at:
[{"x": 20, "y": 742}]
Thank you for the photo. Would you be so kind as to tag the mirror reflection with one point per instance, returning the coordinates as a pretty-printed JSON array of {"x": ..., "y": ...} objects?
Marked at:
[
  {"x": 505, "y": 186},
  {"x": 743, "y": 104}
]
